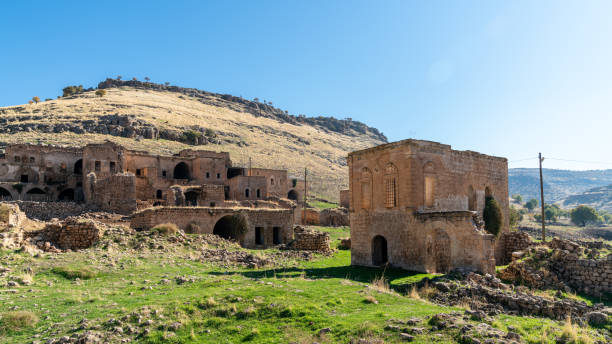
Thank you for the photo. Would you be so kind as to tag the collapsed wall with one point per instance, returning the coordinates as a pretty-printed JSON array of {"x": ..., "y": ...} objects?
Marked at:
[
  {"x": 310, "y": 240},
  {"x": 72, "y": 234},
  {"x": 46, "y": 211}
]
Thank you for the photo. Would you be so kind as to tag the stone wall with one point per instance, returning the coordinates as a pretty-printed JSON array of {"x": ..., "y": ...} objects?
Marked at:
[
  {"x": 46, "y": 211},
  {"x": 266, "y": 220},
  {"x": 513, "y": 242},
  {"x": 334, "y": 217},
  {"x": 311, "y": 217},
  {"x": 72, "y": 234},
  {"x": 345, "y": 198},
  {"x": 117, "y": 193},
  {"x": 310, "y": 240},
  {"x": 11, "y": 215}
]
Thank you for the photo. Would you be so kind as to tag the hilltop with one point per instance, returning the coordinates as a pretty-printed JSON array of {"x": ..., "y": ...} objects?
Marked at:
[{"x": 164, "y": 119}]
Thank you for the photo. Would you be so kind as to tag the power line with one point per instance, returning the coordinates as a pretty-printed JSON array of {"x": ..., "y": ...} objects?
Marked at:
[
  {"x": 582, "y": 161},
  {"x": 535, "y": 157}
]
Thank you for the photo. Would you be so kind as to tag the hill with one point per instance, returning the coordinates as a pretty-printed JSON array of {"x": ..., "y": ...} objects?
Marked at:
[
  {"x": 558, "y": 184},
  {"x": 599, "y": 197},
  {"x": 165, "y": 119}
]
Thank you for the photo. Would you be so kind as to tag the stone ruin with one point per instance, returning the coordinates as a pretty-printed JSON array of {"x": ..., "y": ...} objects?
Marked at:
[
  {"x": 71, "y": 234},
  {"x": 310, "y": 240}
]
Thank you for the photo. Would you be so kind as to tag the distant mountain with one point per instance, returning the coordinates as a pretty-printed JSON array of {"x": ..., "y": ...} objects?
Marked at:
[
  {"x": 558, "y": 184},
  {"x": 599, "y": 197}
]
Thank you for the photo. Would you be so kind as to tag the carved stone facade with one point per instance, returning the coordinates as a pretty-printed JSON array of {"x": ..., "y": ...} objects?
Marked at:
[{"x": 416, "y": 205}]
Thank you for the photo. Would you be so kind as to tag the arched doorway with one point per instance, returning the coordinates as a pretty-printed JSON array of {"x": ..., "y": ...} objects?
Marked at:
[
  {"x": 181, "y": 171},
  {"x": 5, "y": 195},
  {"x": 191, "y": 198},
  {"x": 66, "y": 195},
  {"x": 36, "y": 194},
  {"x": 292, "y": 195},
  {"x": 379, "y": 251},
  {"x": 78, "y": 167},
  {"x": 442, "y": 251},
  {"x": 232, "y": 227}
]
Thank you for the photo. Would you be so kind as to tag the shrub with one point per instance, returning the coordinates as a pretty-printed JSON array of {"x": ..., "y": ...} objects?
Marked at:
[
  {"x": 193, "y": 228},
  {"x": 36, "y": 99},
  {"x": 17, "y": 320},
  {"x": 210, "y": 133},
  {"x": 515, "y": 217},
  {"x": 100, "y": 93},
  {"x": 531, "y": 204},
  {"x": 72, "y": 90},
  {"x": 166, "y": 229},
  {"x": 74, "y": 272},
  {"x": 583, "y": 215},
  {"x": 370, "y": 299},
  {"x": 492, "y": 216},
  {"x": 191, "y": 137}
]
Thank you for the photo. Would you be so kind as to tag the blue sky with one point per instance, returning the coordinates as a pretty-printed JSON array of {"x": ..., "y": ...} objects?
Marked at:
[{"x": 508, "y": 78}]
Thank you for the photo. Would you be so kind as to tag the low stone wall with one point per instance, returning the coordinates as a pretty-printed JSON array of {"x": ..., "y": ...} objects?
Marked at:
[
  {"x": 72, "y": 234},
  {"x": 512, "y": 242},
  {"x": 311, "y": 217},
  {"x": 334, "y": 217},
  {"x": 310, "y": 240},
  {"x": 46, "y": 211},
  {"x": 12, "y": 215}
]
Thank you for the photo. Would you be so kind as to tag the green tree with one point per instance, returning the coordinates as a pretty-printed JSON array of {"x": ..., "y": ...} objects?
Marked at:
[
  {"x": 515, "y": 217},
  {"x": 492, "y": 216},
  {"x": 36, "y": 99},
  {"x": 531, "y": 204},
  {"x": 583, "y": 215},
  {"x": 518, "y": 198},
  {"x": 550, "y": 213}
]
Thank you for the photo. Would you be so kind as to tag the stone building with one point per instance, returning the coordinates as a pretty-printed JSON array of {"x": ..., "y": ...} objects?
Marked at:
[
  {"x": 418, "y": 204},
  {"x": 118, "y": 179}
]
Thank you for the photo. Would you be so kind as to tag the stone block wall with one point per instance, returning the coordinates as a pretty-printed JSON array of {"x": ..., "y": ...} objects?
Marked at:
[
  {"x": 117, "y": 193},
  {"x": 72, "y": 234},
  {"x": 345, "y": 198},
  {"x": 310, "y": 240},
  {"x": 12, "y": 215},
  {"x": 334, "y": 217},
  {"x": 311, "y": 216},
  {"x": 512, "y": 242},
  {"x": 46, "y": 211}
]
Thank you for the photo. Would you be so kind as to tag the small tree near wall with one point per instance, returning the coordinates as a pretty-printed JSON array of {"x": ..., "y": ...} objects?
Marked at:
[{"x": 492, "y": 216}]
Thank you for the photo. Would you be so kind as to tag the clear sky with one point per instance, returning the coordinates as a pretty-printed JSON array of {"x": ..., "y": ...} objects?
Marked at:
[{"x": 508, "y": 78}]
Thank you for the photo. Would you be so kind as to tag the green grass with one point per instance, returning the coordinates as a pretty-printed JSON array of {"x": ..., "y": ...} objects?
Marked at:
[
  {"x": 225, "y": 304},
  {"x": 322, "y": 205}
]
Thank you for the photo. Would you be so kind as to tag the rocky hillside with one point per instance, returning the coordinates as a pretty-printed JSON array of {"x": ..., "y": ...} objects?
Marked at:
[
  {"x": 599, "y": 197},
  {"x": 558, "y": 184},
  {"x": 165, "y": 119}
]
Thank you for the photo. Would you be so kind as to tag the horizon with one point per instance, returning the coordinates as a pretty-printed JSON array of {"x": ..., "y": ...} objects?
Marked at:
[{"x": 504, "y": 79}]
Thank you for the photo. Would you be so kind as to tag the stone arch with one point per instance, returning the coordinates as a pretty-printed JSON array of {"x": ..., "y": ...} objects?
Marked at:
[
  {"x": 66, "y": 195},
  {"x": 5, "y": 194},
  {"x": 472, "y": 199},
  {"x": 181, "y": 171},
  {"x": 391, "y": 192},
  {"x": 191, "y": 198},
  {"x": 379, "y": 251},
  {"x": 442, "y": 251},
  {"x": 78, "y": 167},
  {"x": 292, "y": 195},
  {"x": 231, "y": 227},
  {"x": 366, "y": 188},
  {"x": 36, "y": 194}
]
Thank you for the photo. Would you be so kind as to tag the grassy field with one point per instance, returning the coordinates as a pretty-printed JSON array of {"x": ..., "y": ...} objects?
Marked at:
[{"x": 290, "y": 302}]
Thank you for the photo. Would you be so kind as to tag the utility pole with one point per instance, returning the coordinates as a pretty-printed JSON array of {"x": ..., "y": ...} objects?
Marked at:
[
  {"x": 542, "y": 199},
  {"x": 305, "y": 186}
]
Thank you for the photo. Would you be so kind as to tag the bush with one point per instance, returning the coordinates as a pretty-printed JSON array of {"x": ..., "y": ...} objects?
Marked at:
[
  {"x": 72, "y": 90},
  {"x": 191, "y": 137},
  {"x": 36, "y": 99},
  {"x": 17, "y": 320},
  {"x": 583, "y": 215},
  {"x": 518, "y": 198},
  {"x": 492, "y": 216},
  {"x": 193, "y": 228},
  {"x": 531, "y": 204},
  {"x": 100, "y": 93},
  {"x": 166, "y": 229},
  {"x": 515, "y": 217},
  {"x": 74, "y": 273}
]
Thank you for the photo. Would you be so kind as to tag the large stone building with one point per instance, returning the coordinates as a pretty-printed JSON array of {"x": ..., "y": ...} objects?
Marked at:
[
  {"x": 110, "y": 177},
  {"x": 417, "y": 204}
]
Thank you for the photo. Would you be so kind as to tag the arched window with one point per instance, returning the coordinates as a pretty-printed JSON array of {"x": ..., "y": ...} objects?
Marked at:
[
  {"x": 258, "y": 193},
  {"x": 181, "y": 171},
  {"x": 246, "y": 193},
  {"x": 366, "y": 188},
  {"x": 271, "y": 181},
  {"x": 390, "y": 186},
  {"x": 429, "y": 184},
  {"x": 158, "y": 194}
]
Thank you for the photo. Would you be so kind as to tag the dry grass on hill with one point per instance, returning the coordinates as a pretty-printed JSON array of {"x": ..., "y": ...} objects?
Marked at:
[{"x": 268, "y": 142}]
